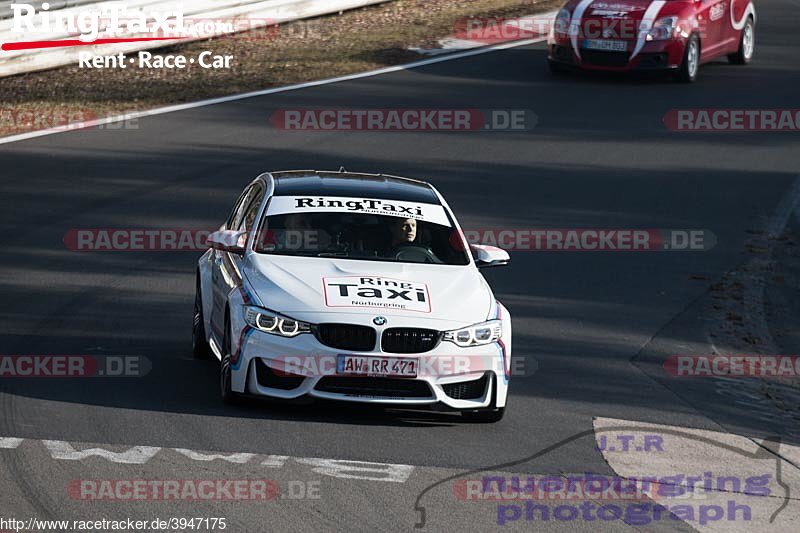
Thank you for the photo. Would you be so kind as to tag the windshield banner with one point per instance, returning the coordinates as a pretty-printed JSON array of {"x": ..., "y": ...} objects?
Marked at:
[{"x": 282, "y": 205}]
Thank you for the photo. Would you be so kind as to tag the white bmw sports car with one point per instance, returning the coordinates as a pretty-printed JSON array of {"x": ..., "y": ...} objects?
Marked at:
[{"x": 354, "y": 287}]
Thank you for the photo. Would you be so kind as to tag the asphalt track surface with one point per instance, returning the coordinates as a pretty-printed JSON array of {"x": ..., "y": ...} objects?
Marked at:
[{"x": 599, "y": 156}]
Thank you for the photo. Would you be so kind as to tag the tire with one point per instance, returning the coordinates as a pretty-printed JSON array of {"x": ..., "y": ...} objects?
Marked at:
[
  {"x": 747, "y": 44},
  {"x": 687, "y": 72},
  {"x": 200, "y": 348},
  {"x": 226, "y": 391},
  {"x": 555, "y": 68}
]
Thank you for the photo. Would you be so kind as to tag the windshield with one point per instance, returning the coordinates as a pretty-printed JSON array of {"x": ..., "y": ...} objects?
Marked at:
[{"x": 360, "y": 236}]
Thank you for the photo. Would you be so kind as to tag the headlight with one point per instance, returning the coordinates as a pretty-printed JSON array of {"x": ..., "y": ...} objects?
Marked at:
[
  {"x": 663, "y": 29},
  {"x": 270, "y": 322},
  {"x": 561, "y": 23},
  {"x": 477, "y": 335}
]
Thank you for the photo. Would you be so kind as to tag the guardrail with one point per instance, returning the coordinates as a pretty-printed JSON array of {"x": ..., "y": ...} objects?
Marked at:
[{"x": 242, "y": 15}]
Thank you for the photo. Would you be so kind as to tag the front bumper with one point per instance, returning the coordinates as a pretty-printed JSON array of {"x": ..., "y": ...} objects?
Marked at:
[
  {"x": 289, "y": 368},
  {"x": 654, "y": 55}
]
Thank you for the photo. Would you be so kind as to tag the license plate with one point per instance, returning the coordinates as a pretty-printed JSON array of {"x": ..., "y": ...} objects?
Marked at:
[
  {"x": 359, "y": 365},
  {"x": 605, "y": 44}
]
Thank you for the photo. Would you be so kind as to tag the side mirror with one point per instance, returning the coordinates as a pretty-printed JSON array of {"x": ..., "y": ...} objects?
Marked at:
[
  {"x": 226, "y": 240},
  {"x": 489, "y": 256}
]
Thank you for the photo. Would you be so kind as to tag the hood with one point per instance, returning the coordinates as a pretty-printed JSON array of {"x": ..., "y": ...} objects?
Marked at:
[
  {"x": 617, "y": 8},
  {"x": 315, "y": 289},
  {"x": 620, "y": 18}
]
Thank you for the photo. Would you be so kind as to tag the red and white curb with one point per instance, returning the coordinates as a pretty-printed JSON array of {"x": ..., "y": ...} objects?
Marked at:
[{"x": 533, "y": 27}]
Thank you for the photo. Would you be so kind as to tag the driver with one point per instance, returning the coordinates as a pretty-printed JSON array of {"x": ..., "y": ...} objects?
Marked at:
[
  {"x": 403, "y": 232},
  {"x": 404, "y": 242}
]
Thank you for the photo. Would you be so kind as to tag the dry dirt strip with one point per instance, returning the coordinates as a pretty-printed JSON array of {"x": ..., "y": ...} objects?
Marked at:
[{"x": 224, "y": 99}]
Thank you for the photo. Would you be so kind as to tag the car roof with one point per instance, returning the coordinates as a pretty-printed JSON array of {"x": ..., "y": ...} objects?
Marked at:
[{"x": 352, "y": 185}]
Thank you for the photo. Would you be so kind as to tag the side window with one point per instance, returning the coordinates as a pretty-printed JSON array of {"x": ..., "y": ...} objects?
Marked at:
[
  {"x": 235, "y": 221},
  {"x": 249, "y": 216},
  {"x": 230, "y": 224}
]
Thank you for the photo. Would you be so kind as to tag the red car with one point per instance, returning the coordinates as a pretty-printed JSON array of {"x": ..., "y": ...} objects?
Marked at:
[{"x": 673, "y": 35}]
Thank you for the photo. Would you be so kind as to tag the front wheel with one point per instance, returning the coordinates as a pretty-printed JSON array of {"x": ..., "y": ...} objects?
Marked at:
[
  {"x": 556, "y": 68},
  {"x": 687, "y": 72},
  {"x": 225, "y": 371},
  {"x": 200, "y": 348},
  {"x": 747, "y": 45}
]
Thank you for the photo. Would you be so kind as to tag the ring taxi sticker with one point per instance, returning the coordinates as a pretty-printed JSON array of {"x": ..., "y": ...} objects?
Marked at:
[
  {"x": 281, "y": 205},
  {"x": 614, "y": 9},
  {"x": 374, "y": 291},
  {"x": 717, "y": 11}
]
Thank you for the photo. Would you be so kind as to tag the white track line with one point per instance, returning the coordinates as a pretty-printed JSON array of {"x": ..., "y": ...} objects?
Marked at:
[
  {"x": 787, "y": 205},
  {"x": 264, "y": 92}
]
